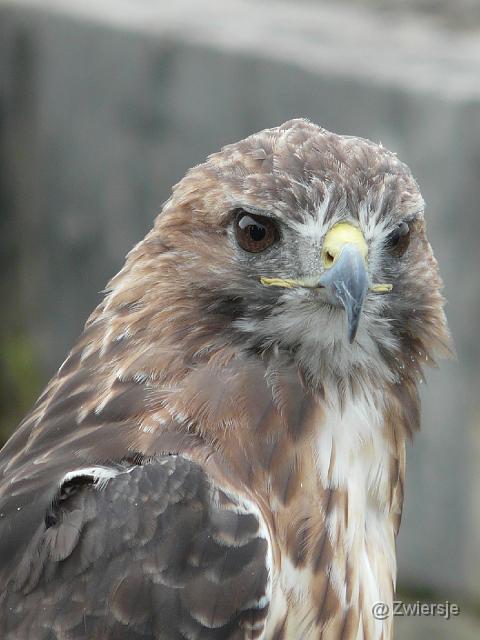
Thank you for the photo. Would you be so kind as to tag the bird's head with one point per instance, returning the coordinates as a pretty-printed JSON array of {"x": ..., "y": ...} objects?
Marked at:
[{"x": 301, "y": 240}]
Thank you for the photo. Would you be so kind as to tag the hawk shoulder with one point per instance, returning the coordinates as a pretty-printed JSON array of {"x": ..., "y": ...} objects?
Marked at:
[{"x": 151, "y": 550}]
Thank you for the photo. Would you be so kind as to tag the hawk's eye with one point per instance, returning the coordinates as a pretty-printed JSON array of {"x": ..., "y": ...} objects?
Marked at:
[
  {"x": 398, "y": 240},
  {"x": 255, "y": 233}
]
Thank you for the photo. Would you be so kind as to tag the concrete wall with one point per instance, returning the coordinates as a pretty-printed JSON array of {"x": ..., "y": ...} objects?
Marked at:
[{"x": 103, "y": 108}]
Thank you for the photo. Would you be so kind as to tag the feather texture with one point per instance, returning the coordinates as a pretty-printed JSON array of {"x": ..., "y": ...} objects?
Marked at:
[{"x": 214, "y": 459}]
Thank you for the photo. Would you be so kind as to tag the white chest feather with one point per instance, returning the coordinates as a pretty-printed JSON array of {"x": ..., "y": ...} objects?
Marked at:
[
  {"x": 353, "y": 456},
  {"x": 352, "y": 459}
]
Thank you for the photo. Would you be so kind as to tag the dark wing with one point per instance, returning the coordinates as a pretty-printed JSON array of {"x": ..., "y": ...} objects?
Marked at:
[
  {"x": 78, "y": 422},
  {"x": 154, "y": 550}
]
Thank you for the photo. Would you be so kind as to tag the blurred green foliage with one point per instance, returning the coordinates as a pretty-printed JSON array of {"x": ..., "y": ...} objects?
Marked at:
[{"x": 20, "y": 380}]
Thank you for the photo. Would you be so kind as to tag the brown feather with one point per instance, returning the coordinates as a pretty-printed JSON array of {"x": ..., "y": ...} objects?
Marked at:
[{"x": 182, "y": 358}]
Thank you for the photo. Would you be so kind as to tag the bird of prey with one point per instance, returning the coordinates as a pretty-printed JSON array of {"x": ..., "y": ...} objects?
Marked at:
[{"x": 222, "y": 453}]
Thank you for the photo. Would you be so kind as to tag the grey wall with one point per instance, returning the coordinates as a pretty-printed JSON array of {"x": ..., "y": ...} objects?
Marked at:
[{"x": 103, "y": 109}]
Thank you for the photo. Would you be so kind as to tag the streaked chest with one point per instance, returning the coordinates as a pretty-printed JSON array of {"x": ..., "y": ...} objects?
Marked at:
[{"x": 348, "y": 560}]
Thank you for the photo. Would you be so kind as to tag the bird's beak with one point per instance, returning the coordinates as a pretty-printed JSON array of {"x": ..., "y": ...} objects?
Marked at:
[{"x": 345, "y": 278}]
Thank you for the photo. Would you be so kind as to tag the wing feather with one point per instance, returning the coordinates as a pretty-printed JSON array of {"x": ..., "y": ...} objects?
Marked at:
[{"x": 153, "y": 552}]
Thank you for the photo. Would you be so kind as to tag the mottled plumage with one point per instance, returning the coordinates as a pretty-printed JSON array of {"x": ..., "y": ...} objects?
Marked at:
[{"x": 215, "y": 459}]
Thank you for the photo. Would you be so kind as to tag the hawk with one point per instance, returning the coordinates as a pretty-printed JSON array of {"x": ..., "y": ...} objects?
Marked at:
[{"x": 222, "y": 453}]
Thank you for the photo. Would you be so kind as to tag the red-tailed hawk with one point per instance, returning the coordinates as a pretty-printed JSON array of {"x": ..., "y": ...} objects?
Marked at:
[{"x": 222, "y": 453}]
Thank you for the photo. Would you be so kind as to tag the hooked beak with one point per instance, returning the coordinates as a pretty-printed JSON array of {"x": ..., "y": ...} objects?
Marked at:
[
  {"x": 346, "y": 282},
  {"x": 345, "y": 277}
]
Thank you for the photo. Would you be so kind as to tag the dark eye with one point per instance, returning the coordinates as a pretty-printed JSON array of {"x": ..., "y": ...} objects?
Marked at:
[
  {"x": 255, "y": 233},
  {"x": 399, "y": 239}
]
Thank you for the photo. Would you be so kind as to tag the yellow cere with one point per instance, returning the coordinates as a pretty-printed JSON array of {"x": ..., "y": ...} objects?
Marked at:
[{"x": 339, "y": 235}]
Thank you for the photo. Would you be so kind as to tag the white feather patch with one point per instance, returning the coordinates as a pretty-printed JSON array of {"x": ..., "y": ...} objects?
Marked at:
[{"x": 100, "y": 475}]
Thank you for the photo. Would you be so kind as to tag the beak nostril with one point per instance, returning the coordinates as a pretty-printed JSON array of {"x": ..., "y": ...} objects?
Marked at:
[{"x": 328, "y": 259}]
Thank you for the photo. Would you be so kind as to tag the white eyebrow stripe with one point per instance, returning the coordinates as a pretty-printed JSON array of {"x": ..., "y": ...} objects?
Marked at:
[{"x": 314, "y": 227}]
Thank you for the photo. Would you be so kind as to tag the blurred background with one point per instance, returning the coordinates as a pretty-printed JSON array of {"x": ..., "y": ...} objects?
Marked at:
[{"x": 103, "y": 107}]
